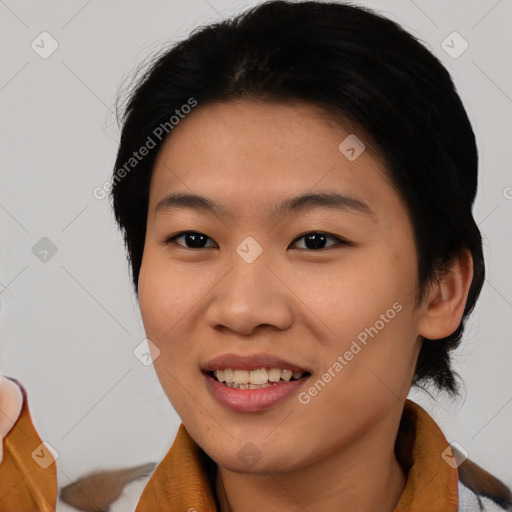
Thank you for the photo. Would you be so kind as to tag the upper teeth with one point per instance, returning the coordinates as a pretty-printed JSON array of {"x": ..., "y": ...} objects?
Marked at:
[{"x": 260, "y": 376}]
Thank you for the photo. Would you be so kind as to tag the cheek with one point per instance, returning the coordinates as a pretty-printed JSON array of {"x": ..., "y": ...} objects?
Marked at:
[
  {"x": 166, "y": 295},
  {"x": 354, "y": 295},
  {"x": 153, "y": 301},
  {"x": 369, "y": 320},
  {"x": 163, "y": 300}
]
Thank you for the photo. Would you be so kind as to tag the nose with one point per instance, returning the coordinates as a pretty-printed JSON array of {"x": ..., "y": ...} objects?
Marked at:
[{"x": 251, "y": 296}]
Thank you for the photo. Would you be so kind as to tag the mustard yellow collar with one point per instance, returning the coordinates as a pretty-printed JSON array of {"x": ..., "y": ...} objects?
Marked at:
[{"x": 181, "y": 482}]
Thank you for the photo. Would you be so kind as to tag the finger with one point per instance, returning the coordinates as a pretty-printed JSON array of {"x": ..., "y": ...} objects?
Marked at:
[{"x": 11, "y": 402}]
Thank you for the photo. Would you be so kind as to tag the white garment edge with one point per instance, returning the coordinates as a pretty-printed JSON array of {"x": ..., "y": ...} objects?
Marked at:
[{"x": 469, "y": 501}]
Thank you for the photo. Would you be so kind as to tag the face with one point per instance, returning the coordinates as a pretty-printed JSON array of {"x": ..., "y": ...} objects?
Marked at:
[{"x": 324, "y": 289}]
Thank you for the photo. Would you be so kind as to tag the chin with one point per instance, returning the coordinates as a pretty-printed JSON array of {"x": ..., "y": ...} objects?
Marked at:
[
  {"x": 261, "y": 466},
  {"x": 250, "y": 457}
]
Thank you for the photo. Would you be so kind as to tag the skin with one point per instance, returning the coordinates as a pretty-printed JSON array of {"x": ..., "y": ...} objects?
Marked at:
[
  {"x": 11, "y": 403},
  {"x": 304, "y": 305}
]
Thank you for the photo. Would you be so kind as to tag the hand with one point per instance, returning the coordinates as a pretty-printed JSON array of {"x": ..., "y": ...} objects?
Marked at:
[{"x": 11, "y": 402}]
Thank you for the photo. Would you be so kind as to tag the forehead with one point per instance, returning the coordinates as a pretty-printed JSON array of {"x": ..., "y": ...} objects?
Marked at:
[{"x": 246, "y": 154}]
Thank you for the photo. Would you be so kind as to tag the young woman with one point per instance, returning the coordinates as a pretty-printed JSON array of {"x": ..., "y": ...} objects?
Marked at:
[{"x": 295, "y": 189}]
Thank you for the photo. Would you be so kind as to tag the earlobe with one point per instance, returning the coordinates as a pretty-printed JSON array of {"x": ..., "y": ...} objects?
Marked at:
[{"x": 444, "y": 306}]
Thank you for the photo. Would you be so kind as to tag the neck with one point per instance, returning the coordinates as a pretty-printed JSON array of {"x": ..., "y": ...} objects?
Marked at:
[{"x": 363, "y": 477}]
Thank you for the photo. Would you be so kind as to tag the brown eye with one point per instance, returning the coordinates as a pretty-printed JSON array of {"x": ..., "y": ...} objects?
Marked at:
[
  {"x": 316, "y": 240},
  {"x": 193, "y": 239}
]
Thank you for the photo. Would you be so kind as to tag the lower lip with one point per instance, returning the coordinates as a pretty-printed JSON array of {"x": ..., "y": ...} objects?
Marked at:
[{"x": 252, "y": 400}]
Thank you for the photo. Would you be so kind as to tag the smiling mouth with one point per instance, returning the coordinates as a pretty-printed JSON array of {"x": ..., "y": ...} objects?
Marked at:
[{"x": 255, "y": 379}]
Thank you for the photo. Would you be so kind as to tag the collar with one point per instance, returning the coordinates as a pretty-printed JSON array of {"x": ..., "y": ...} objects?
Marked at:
[{"x": 181, "y": 482}]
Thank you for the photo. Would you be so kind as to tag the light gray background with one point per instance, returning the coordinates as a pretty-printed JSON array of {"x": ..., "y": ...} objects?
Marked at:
[{"x": 69, "y": 326}]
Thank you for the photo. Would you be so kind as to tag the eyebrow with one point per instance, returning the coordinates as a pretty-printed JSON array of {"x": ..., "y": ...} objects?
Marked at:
[{"x": 328, "y": 200}]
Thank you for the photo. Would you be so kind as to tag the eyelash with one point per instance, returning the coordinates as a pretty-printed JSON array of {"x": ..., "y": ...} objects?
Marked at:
[{"x": 340, "y": 241}]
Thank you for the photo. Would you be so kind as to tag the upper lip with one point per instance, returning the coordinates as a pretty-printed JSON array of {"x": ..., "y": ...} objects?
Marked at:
[{"x": 250, "y": 362}]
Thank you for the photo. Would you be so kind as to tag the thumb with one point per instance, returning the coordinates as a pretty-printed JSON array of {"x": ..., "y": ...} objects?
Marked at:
[{"x": 11, "y": 403}]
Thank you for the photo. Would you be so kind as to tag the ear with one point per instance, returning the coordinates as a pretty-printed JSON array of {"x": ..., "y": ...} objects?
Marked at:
[{"x": 442, "y": 310}]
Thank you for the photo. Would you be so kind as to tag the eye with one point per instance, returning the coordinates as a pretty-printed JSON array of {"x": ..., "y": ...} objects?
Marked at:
[
  {"x": 313, "y": 240},
  {"x": 316, "y": 240},
  {"x": 195, "y": 239}
]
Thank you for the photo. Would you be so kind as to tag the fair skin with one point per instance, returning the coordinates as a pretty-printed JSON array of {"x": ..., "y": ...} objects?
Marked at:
[
  {"x": 302, "y": 304},
  {"x": 11, "y": 403}
]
